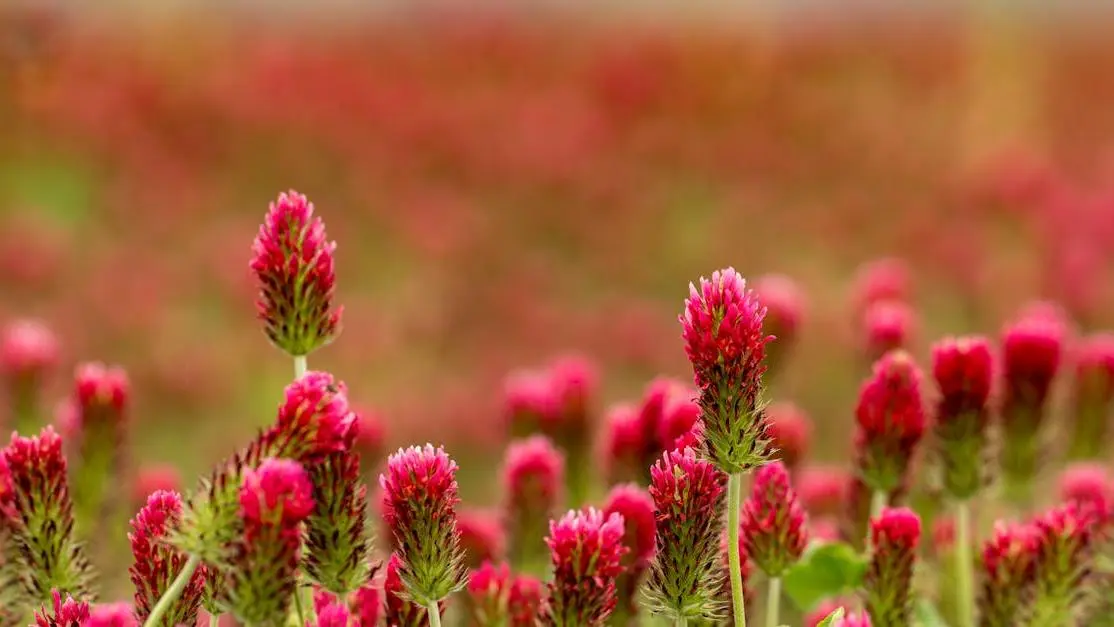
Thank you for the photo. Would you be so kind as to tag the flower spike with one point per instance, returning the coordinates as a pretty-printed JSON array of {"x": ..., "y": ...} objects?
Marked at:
[
  {"x": 725, "y": 342},
  {"x": 63, "y": 613},
  {"x": 586, "y": 550},
  {"x": 1008, "y": 571},
  {"x": 890, "y": 422},
  {"x": 157, "y": 563},
  {"x": 964, "y": 370},
  {"x": 775, "y": 527},
  {"x": 337, "y": 538},
  {"x": 28, "y": 354},
  {"x": 895, "y": 535},
  {"x": 532, "y": 477},
  {"x": 98, "y": 430},
  {"x": 685, "y": 578},
  {"x": 636, "y": 506}
]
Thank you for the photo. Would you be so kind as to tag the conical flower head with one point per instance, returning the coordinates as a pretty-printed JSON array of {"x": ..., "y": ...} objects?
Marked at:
[
  {"x": 586, "y": 550},
  {"x": 337, "y": 538},
  {"x": 532, "y": 482},
  {"x": 1008, "y": 570},
  {"x": 774, "y": 525},
  {"x": 367, "y": 605},
  {"x": 98, "y": 432},
  {"x": 963, "y": 369},
  {"x": 293, "y": 264},
  {"x": 685, "y": 578},
  {"x": 525, "y": 603},
  {"x": 274, "y": 500},
  {"x": 420, "y": 496},
  {"x": 39, "y": 516},
  {"x": 891, "y": 420},
  {"x": 28, "y": 353},
  {"x": 784, "y": 301},
  {"x": 790, "y": 432},
  {"x": 1065, "y": 543},
  {"x": 400, "y": 611},
  {"x": 315, "y": 419},
  {"x": 637, "y": 509},
  {"x": 64, "y": 612},
  {"x": 157, "y": 563},
  {"x": 1092, "y": 394},
  {"x": 1031, "y": 352},
  {"x": 894, "y": 537},
  {"x": 726, "y": 344}
]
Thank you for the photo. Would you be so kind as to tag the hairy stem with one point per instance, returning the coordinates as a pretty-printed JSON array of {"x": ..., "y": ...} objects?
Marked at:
[
  {"x": 773, "y": 601},
  {"x": 299, "y": 607},
  {"x": 299, "y": 366},
  {"x": 964, "y": 577},
  {"x": 434, "y": 614},
  {"x": 734, "y": 564},
  {"x": 173, "y": 592}
]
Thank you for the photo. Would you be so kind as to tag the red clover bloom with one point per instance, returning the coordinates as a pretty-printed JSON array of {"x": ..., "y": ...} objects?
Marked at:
[
  {"x": 891, "y": 420},
  {"x": 964, "y": 370},
  {"x": 586, "y": 550},
  {"x": 157, "y": 563},
  {"x": 894, "y": 536},
  {"x": 774, "y": 525},
  {"x": 532, "y": 482}
]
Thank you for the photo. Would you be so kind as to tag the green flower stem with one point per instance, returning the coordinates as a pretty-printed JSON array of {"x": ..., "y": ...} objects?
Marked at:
[
  {"x": 173, "y": 592},
  {"x": 214, "y": 620},
  {"x": 734, "y": 565},
  {"x": 434, "y": 614},
  {"x": 773, "y": 601},
  {"x": 878, "y": 501},
  {"x": 299, "y": 366},
  {"x": 964, "y": 578},
  {"x": 681, "y": 622},
  {"x": 299, "y": 607}
]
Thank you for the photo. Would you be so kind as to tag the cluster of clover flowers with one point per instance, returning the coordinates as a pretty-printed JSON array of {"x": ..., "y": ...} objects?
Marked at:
[{"x": 280, "y": 532}]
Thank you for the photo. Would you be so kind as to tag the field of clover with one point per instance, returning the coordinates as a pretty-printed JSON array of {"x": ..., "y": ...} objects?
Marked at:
[
  {"x": 708, "y": 506},
  {"x": 664, "y": 324}
]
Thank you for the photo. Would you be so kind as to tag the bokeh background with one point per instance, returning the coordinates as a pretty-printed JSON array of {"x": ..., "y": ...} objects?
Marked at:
[{"x": 514, "y": 182}]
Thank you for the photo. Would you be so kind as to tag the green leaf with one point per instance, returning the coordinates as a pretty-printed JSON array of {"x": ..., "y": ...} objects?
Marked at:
[
  {"x": 825, "y": 571},
  {"x": 830, "y": 619},
  {"x": 925, "y": 614}
]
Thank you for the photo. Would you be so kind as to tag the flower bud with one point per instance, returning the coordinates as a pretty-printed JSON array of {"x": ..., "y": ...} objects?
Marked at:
[
  {"x": 156, "y": 563},
  {"x": 1008, "y": 569},
  {"x": 293, "y": 265},
  {"x": 532, "y": 482},
  {"x": 774, "y": 525},
  {"x": 586, "y": 551},
  {"x": 1092, "y": 394},
  {"x": 891, "y": 420},
  {"x": 963, "y": 369},
  {"x": 726, "y": 345},
  {"x": 894, "y": 537},
  {"x": 686, "y": 577},
  {"x": 98, "y": 434},
  {"x": 420, "y": 496},
  {"x": 1063, "y": 564}
]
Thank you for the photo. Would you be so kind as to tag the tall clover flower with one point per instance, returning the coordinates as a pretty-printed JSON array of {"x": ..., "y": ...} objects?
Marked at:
[
  {"x": 39, "y": 516},
  {"x": 726, "y": 344},
  {"x": 586, "y": 550},
  {"x": 156, "y": 563},
  {"x": 636, "y": 506},
  {"x": 532, "y": 484},
  {"x": 1063, "y": 564},
  {"x": 293, "y": 264},
  {"x": 890, "y": 420},
  {"x": 1092, "y": 394},
  {"x": 1008, "y": 570},
  {"x": 28, "y": 353},
  {"x": 337, "y": 538},
  {"x": 420, "y": 496},
  {"x": 1031, "y": 349},
  {"x": 98, "y": 433},
  {"x": 774, "y": 529},
  {"x": 274, "y": 500},
  {"x": 575, "y": 381},
  {"x": 894, "y": 537},
  {"x": 685, "y": 577},
  {"x": 622, "y": 444},
  {"x": 963, "y": 369}
]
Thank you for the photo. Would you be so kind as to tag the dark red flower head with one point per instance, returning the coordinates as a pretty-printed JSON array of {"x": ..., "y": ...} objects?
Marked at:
[
  {"x": 894, "y": 537},
  {"x": 1032, "y": 348},
  {"x": 822, "y": 489},
  {"x": 790, "y": 431},
  {"x": 722, "y": 327},
  {"x": 586, "y": 551},
  {"x": 1008, "y": 569},
  {"x": 315, "y": 419},
  {"x": 891, "y": 420},
  {"x": 64, "y": 613},
  {"x": 964, "y": 371},
  {"x": 774, "y": 525},
  {"x": 1088, "y": 486},
  {"x": 156, "y": 563},
  {"x": 420, "y": 495},
  {"x": 685, "y": 578},
  {"x": 888, "y": 325},
  {"x": 293, "y": 264}
]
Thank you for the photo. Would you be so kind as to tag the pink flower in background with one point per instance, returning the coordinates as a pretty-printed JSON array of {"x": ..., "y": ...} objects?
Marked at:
[
  {"x": 888, "y": 325},
  {"x": 622, "y": 444},
  {"x": 1088, "y": 485},
  {"x": 774, "y": 525},
  {"x": 64, "y": 612},
  {"x": 111, "y": 615},
  {"x": 29, "y": 351},
  {"x": 153, "y": 478},
  {"x": 890, "y": 420},
  {"x": 636, "y": 507},
  {"x": 822, "y": 489},
  {"x": 533, "y": 473},
  {"x": 1092, "y": 395},
  {"x": 885, "y": 279},
  {"x": 785, "y": 308},
  {"x": 894, "y": 536},
  {"x": 482, "y": 537},
  {"x": 790, "y": 431}
]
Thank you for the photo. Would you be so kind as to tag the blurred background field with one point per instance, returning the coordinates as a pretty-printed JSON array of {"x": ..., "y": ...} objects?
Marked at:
[{"x": 509, "y": 185}]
